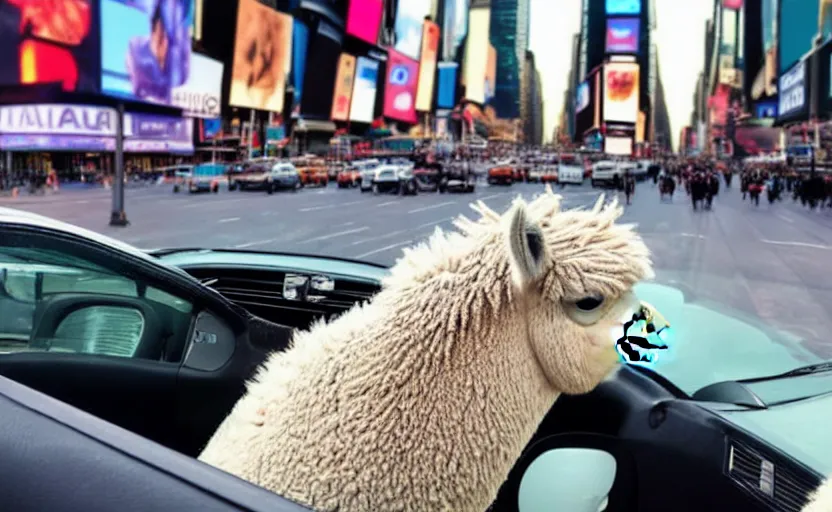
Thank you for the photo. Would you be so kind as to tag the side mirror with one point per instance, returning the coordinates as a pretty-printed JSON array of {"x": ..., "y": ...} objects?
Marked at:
[{"x": 573, "y": 479}]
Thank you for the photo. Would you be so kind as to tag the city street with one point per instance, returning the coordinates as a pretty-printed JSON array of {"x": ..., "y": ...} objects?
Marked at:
[{"x": 767, "y": 261}]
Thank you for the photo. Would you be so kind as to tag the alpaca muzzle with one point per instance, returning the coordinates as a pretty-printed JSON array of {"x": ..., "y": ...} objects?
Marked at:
[{"x": 643, "y": 335}]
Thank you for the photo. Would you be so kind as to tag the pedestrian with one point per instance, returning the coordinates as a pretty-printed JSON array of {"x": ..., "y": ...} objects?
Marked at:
[{"x": 629, "y": 186}]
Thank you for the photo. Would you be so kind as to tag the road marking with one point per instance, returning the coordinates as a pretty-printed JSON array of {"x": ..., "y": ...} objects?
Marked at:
[
  {"x": 386, "y": 248},
  {"x": 797, "y": 244},
  {"x": 388, "y": 203},
  {"x": 214, "y": 203},
  {"x": 328, "y": 206},
  {"x": 400, "y": 232},
  {"x": 344, "y": 224},
  {"x": 335, "y": 235},
  {"x": 229, "y": 219},
  {"x": 252, "y": 244},
  {"x": 492, "y": 196},
  {"x": 693, "y": 235},
  {"x": 785, "y": 218},
  {"x": 82, "y": 201},
  {"x": 432, "y": 207}
]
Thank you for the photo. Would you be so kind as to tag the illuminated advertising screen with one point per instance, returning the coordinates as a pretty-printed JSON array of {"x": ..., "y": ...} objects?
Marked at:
[
  {"x": 623, "y": 6},
  {"x": 622, "y": 35},
  {"x": 300, "y": 44},
  {"x": 427, "y": 66},
  {"x": 766, "y": 109},
  {"x": 728, "y": 41},
  {"x": 732, "y": 4},
  {"x": 454, "y": 27},
  {"x": 146, "y": 133},
  {"x": 147, "y": 54},
  {"x": 324, "y": 52},
  {"x": 400, "y": 87},
  {"x": 825, "y": 18},
  {"x": 201, "y": 95},
  {"x": 57, "y": 127},
  {"x": 43, "y": 42},
  {"x": 618, "y": 145},
  {"x": 408, "y": 28},
  {"x": 209, "y": 129},
  {"x": 476, "y": 55},
  {"x": 792, "y": 87},
  {"x": 491, "y": 74},
  {"x": 343, "y": 88},
  {"x": 582, "y": 97},
  {"x": 364, "y": 19},
  {"x": 798, "y": 26},
  {"x": 446, "y": 91},
  {"x": 262, "y": 47},
  {"x": 362, "y": 105},
  {"x": 621, "y": 81},
  {"x": 757, "y": 140}
]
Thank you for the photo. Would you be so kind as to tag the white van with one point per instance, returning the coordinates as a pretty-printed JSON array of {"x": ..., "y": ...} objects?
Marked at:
[
  {"x": 607, "y": 172},
  {"x": 570, "y": 169}
]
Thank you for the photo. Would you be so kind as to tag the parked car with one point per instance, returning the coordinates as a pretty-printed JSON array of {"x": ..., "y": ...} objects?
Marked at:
[{"x": 117, "y": 366}]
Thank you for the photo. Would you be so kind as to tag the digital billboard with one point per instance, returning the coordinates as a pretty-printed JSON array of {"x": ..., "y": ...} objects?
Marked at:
[
  {"x": 408, "y": 27},
  {"x": 427, "y": 66},
  {"x": 262, "y": 47},
  {"x": 364, "y": 19},
  {"x": 201, "y": 95},
  {"x": 491, "y": 74},
  {"x": 792, "y": 89},
  {"x": 342, "y": 95},
  {"x": 400, "y": 87},
  {"x": 732, "y": 4},
  {"x": 300, "y": 45},
  {"x": 621, "y": 92},
  {"x": 45, "y": 42},
  {"x": 765, "y": 109},
  {"x": 454, "y": 27},
  {"x": 582, "y": 97},
  {"x": 146, "y": 133},
  {"x": 622, "y": 35},
  {"x": 623, "y": 6},
  {"x": 476, "y": 55},
  {"x": 757, "y": 140},
  {"x": 825, "y": 19},
  {"x": 147, "y": 54},
  {"x": 365, "y": 85},
  {"x": 446, "y": 90},
  {"x": 798, "y": 25}
]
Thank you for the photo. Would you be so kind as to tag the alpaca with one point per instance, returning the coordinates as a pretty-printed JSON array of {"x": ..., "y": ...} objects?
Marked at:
[
  {"x": 821, "y": 499},
  {"x": 424, "y": 398}
]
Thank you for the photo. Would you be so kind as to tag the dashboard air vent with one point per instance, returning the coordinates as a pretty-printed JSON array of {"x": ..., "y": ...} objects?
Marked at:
[{"x": 767, "y": 478}]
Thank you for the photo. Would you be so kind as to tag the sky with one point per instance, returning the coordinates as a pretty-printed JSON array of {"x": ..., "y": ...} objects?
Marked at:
[{"x": 680, "y": 36}]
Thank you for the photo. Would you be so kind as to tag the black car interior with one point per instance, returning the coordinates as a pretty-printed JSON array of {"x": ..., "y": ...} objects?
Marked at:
[{"x": 182, "y": 377}]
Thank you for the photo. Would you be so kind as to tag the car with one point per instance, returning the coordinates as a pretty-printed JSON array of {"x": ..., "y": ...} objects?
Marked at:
[
  {"x": 367, "y": 173},
  {"x": 285, "y": 176},
  {"x": 392, "y": 178},
  {"x": 349, "y": 177},
  {"x": 117, "y": 365},
  {"x": 200, "y": 178},
  {"x": 269, "y": 176},
  {"x": 428, "y": 177},
  {"x": 500, "y": 174},
  {"x": 457, "y": 178}
]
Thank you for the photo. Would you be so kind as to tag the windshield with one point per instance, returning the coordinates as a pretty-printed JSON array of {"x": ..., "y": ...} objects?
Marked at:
[{"x": 732, "y": 197}]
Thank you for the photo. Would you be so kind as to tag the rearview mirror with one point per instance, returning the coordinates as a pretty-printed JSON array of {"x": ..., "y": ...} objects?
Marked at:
[
  {"x": 294, "y": 287},
  {"x": 573, "y": 479}
]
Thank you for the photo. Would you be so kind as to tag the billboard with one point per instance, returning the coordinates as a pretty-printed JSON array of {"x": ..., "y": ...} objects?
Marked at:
[
  {"x": 363, "y": 101},
  {"x": 454, "y": 27},
  {"x": 427, "y": 66},
  {"x": 148, "y": 48},
  {"x": 446, "y": 91},
  {"x": 300, "y": 44},
  {"x": 262, "y": 47},
  {"x": 476, "y": 55},
  {"x": 408, "y": 27},
  {"x": 623, "y": 6},
  {"x": 618, "y": 145},
  {"x": 58, "y": 119},
  {"x": 364, "y": 19},
  {"x": 400, "y": 87},
  {"x": 798, "y": 25},
  {"x": 621, "y": 94},
  {"x": 756, "y": 140},
  {"x": 58, "y": 43},
  {"x": 491, "y": 74},
  {"x": 582, "y": 97},
  {"x": 622, "y": 35},
  {"x": 732, "y": 4},
  {"x": 792, "y": 89},
  {"x": 766, "y": 109},
  {"x": 342, "y": 95},
  {"x": 825, "y": 19},
  {"x": 147, "y": 133},
  {"x": 201, "y": 95}
]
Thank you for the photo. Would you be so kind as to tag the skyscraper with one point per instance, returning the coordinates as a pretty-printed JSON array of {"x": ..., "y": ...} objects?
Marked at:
[{"x": 510, "y": 36}]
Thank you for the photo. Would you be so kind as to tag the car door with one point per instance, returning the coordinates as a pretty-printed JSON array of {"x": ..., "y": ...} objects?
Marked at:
[{"x": 120, "y": 336}]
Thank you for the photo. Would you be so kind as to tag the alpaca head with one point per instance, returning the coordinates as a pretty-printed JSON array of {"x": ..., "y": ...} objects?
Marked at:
[{"x": 573, "y": 273}]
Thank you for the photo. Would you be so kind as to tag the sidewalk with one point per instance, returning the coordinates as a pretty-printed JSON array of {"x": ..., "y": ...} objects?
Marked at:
[{"x": 68, "y": 190}]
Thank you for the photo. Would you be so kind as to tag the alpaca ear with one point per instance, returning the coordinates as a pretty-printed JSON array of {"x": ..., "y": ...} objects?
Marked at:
[{"x": 526, "y": 245}]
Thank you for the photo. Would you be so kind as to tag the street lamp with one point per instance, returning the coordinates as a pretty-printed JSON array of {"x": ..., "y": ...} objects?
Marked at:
[{"x": 118, "y": 217}]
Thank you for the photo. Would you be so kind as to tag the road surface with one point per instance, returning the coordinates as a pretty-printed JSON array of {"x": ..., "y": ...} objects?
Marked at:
[{"x": 769, "y": 262}]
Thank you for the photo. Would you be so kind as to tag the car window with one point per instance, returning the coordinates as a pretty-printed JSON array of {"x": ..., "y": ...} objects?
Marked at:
[{"x": 54, "y": 302}]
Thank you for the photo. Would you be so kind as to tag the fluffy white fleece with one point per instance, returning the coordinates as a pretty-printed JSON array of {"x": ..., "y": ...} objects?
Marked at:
[{"x": 424, "y": 398}]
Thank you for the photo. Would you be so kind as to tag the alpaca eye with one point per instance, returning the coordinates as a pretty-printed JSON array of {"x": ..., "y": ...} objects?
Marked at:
[{"x": 589, "y": 303}]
